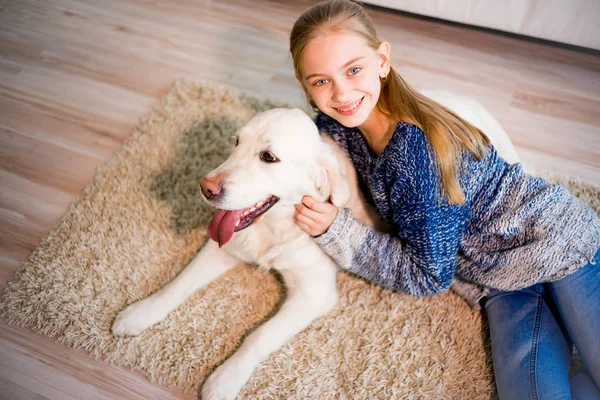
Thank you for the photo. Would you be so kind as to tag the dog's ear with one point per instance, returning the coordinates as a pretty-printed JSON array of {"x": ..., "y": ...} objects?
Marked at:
[{"x": 331, "y": 181}]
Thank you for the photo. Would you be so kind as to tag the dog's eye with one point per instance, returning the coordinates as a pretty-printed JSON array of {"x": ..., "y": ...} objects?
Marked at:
[{"x": 268, "y": 157}]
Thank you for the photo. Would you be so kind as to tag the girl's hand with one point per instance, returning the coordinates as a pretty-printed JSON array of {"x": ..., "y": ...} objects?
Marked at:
[{"x": 315, "y": 217}]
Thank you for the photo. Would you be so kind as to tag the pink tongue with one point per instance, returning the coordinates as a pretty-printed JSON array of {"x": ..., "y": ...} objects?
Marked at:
[{"x": 222, "y": 225}]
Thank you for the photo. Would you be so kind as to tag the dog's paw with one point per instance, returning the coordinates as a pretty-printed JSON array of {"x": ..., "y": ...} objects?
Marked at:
[
  {"x": 135, "y": 318},
  {"x": 225, "y": 383}
]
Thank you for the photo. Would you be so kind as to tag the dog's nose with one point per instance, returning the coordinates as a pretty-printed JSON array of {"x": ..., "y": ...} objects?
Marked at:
[{"x": 211, "y": 187}]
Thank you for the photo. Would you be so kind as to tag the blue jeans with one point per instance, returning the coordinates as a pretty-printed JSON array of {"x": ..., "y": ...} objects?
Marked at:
[{"x": 533, "y": 331}]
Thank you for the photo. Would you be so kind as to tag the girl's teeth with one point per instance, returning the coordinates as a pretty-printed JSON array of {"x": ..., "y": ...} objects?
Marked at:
[{"x": 350, "y": 108}]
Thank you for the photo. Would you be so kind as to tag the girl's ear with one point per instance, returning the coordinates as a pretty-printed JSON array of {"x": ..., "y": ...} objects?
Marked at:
[{"x": 384, "y": 51}]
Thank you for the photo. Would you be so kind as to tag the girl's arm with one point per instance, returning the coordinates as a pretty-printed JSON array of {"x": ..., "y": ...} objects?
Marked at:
[
  {"x": 421, "y": 266},
  {"x": 419, "y": 258}
]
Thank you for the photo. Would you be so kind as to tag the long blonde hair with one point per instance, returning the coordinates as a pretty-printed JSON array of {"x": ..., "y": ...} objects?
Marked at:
[{"x": 446, "y": 132}]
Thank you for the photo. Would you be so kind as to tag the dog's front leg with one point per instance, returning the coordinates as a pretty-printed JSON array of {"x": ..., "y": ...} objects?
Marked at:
[
  {"x": 306, "y": 300},
  {"x": 208, "y": 265}
]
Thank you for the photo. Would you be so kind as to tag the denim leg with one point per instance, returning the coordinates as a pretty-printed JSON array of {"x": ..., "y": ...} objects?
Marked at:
[
  {"x": 531, "y": 351},
  {"x": 582, "y": 387},
  {"x": 577, "y": 297}
]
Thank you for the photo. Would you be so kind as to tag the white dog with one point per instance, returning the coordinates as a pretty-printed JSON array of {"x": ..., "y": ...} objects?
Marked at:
[{"x": 279, "y": 157}]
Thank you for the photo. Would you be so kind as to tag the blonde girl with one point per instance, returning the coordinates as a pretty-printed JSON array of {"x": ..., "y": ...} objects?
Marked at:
[{"x": 520, "y": 247}]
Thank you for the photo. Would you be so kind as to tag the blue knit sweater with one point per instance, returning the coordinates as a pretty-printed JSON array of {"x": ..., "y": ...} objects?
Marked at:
[{"x": 514, "y": 230}]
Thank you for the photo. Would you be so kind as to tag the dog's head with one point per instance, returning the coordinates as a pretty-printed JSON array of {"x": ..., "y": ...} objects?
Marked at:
[{"x": 278, "y": 158}]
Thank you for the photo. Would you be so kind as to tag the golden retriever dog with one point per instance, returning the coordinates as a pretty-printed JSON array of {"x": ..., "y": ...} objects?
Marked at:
[{"x": 279, "y": 157}]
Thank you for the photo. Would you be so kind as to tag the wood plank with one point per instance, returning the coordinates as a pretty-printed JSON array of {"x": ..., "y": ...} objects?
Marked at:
[{"x": 49, "y": 369}]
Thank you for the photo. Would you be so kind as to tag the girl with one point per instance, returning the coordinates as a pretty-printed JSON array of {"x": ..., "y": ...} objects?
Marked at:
[{"x": 460, "y": 215}]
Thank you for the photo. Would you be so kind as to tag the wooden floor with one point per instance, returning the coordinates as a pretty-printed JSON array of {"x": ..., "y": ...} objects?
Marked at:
[{"x": 75, "y": 77}]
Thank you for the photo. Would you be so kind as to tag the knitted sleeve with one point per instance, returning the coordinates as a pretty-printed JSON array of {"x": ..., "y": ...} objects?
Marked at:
[{"x": 420, "y": 259}]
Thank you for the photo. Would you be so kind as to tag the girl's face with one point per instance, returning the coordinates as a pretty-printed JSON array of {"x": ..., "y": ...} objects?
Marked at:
[{"x": 341, "y": 73}]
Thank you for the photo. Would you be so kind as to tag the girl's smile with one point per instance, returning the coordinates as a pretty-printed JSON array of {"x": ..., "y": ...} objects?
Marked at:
[
  {"x": 349, "y": 109},
  {"x": 340, "y": 73}
]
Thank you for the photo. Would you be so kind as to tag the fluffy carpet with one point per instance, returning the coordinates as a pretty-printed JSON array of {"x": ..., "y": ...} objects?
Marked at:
[{"x": 141, "y": 220}]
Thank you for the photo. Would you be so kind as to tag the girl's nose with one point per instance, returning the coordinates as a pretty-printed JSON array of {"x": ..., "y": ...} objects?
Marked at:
[{"x": 341, "y": 92}]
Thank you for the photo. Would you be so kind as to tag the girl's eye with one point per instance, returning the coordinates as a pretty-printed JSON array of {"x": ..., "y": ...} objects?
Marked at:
[
  {"x": 236, "y": 140},
  {"x": 268, "y": 157},
  {"x": 320, "y": 82},
  {"x": 354, "y": 70}
]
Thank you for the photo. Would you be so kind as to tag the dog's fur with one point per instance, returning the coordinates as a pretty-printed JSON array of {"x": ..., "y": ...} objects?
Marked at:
[{"x": 309, "y": 165}]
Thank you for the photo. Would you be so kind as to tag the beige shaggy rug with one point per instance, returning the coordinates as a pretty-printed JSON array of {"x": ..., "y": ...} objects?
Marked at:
[{"x": 141, "y": 220}]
